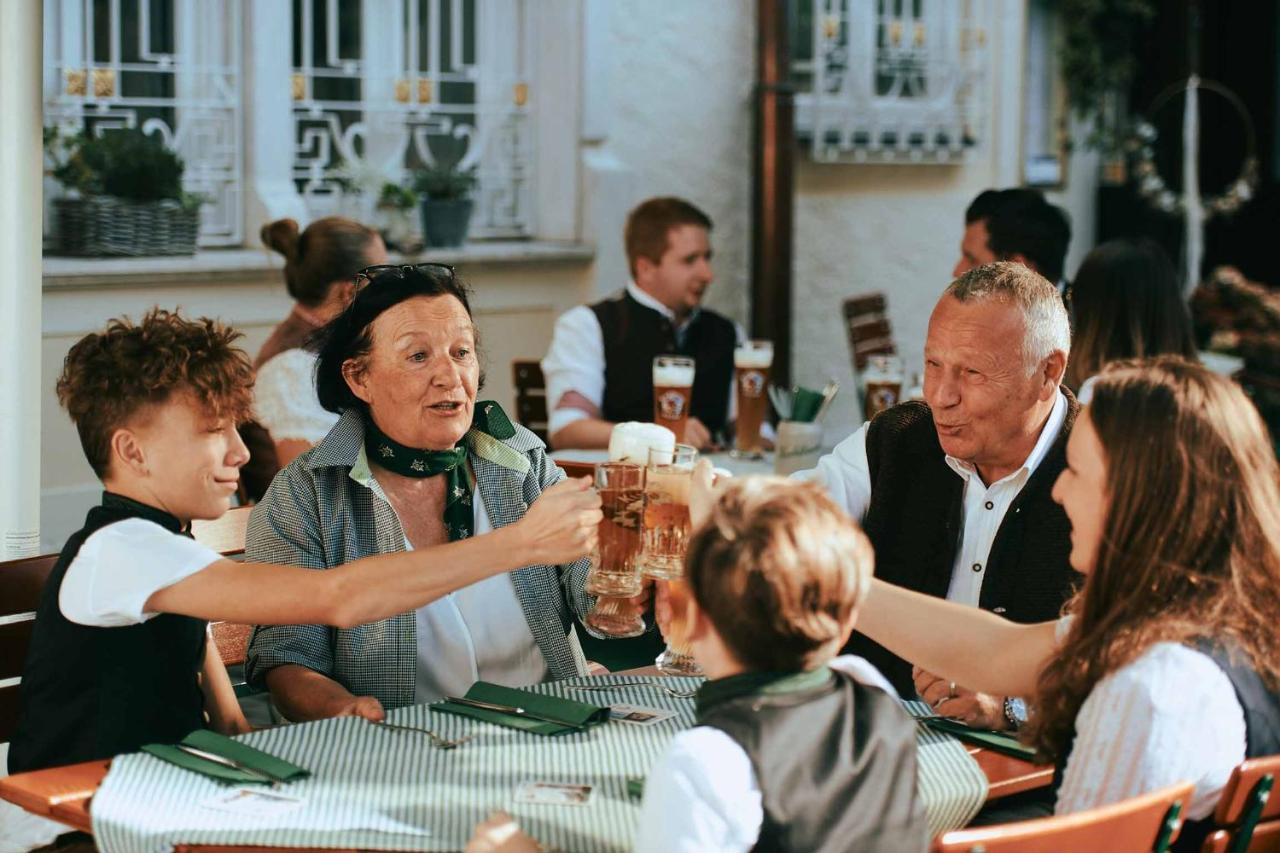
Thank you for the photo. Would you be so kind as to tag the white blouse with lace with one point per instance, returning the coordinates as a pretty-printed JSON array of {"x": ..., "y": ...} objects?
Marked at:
[
  {"x": 285, "y": 398},
  {"x": 1170, "y": 715}
]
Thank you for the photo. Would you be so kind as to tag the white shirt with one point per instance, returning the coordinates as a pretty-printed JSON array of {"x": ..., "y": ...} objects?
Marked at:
[
  {"x": 703, "y": 794},
  {"x": 1170, "y": 715},
  {"x": 845, "y": 473},
  {"x": 120, "y": 566},
  {"x": 477, "y": 633},
  {"x": 285, "y": 399},
  {"x": 575, "y": 360}
]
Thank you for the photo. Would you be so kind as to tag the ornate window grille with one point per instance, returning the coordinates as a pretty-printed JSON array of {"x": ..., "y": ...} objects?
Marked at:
[
  {"x": 168, "y": 67},
  {"x": 890, "y": 81},
  {"x": 382, "y": 87}
]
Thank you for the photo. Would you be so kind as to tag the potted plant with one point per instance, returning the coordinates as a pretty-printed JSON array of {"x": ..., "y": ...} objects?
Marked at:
[
  {"x": 395, "y": 207},
  {"x": 445, "y": 203},
  {"x": 127, "y": 196}
]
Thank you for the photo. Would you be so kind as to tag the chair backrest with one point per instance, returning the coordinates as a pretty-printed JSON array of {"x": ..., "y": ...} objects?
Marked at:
[
  {"x": 20, "y": 584},
  {"x": 1149, "y": 822},
  {"x": 1248, "y": 814},
  {"x": 577, "y": 469},
  {"x": 531, "y": 396},
  {"x": 226, "y": 535},
  {"x": 867, "y": 322}
]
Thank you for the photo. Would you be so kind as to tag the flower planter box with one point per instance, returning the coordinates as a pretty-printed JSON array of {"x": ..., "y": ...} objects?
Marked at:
[{"x": 100, "y": 226}]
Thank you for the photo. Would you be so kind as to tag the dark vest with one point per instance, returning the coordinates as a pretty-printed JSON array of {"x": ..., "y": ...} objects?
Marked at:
[
  {"x": 1261, "y": 707},
  {"x": 914, "y": 522},
  {"x": 634, "y": 335},
  {"x": 834, "y": 758},
  {"x": 91, "y": 693}
]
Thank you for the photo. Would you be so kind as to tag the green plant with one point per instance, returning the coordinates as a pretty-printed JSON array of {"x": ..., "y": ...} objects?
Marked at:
[
  {"x": 127, "y": 164},
  {"x": 1098, "y": 59},
  {"x": 444, "y": 183},
  {"x": 396, "y": 197}
]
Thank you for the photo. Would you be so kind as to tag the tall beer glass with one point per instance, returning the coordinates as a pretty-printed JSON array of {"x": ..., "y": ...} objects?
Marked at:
[
  {"x": 751, "y": 363},
  {"x": 615, "y": 570},
  {"x": 620, "y": 616},
  {"x": 672, "y": 392},
  {"x": 666, "y": 511},
  {"x": 677, "y": 658}
]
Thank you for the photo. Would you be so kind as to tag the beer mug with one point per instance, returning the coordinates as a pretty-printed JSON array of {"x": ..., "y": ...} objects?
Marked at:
[
  {"x": 668, "y": 482},
  {"x": 883, "y": 382},
  {"x": 615, "y": 570},
  {"x": 751, "y": 363},
  {"x": 672, "y": 392},
  {"x": 672, "y": 600}
]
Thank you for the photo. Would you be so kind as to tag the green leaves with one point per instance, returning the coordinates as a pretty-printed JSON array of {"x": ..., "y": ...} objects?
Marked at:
[{"x": 127, "y": 164}]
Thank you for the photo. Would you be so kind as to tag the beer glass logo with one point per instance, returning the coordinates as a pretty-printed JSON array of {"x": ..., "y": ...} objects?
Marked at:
[
  {"x": 752, "y": 383},
  {"x": 671, "y": 405},
  {"x": 883, "y": 398}
]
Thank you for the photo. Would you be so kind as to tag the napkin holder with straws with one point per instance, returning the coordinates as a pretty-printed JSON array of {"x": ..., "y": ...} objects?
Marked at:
[{"x": 799, "y": 444}]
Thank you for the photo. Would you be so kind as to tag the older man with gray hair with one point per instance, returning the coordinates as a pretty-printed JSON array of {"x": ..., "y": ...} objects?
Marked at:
[{"x": 955, "y": 492}]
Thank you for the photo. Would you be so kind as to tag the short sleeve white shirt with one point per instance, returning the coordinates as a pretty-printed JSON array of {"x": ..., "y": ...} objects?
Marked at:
[
  {"x": 120, "y": 566},
  {"x": 703, "y": 794},
  {"x": 285, "y": 399}
]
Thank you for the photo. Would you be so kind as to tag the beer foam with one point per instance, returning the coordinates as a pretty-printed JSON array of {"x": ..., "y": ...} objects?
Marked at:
[
  {"x": 631, "y": 441},
  {"x": 673, "y": 376},
  {"x": 743, "y": 357}
]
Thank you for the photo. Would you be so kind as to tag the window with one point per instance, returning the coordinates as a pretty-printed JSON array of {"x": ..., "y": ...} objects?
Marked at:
[
  {"x": 168, "y": 67},
  {"x": 889, "y": 80}
]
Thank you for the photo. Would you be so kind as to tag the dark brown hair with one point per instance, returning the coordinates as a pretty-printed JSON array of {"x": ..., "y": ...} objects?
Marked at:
[
  {"x": 350, "y": 334},
  {"x": 1190, "y": 546},
  {"x": 779, "y": 570},
  {"x": 1126, "y": 302},
  {"x": 1020, "y": 221},
  {"x": 109, "y": 376},
  {"x": 331, "y": 249},
  {"x": 645, "y": 235}
]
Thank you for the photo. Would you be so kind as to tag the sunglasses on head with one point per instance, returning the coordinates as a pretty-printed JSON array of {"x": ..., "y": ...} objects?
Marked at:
[{"x": 368, "y": 274}]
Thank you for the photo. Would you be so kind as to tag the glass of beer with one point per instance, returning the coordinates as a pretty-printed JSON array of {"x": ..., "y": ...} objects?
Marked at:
[
  {"x": 672, "y": 392},
  {"x": 615, "y": 570},
  {"x": 751, "y": 363},
  {"x": 677, "y": 658},
  {"x": 882, "y": 380},
  {"x": 666, "y": 511}
]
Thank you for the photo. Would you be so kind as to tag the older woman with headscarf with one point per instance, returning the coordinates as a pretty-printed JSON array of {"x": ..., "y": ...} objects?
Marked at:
[{"x": 414, "y": 460}]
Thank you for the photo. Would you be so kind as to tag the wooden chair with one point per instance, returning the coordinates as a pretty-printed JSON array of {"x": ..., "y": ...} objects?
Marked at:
[
  {"x": 20, "y": 584},
  {"x": 577, "y": 469},
  {"x": 226, "y": 536},
  {"x": 1149, "y": 822},
  {"x": 1248, "y": 816},
  {"x": 531, "y": 396},
  {"x": 867, "y": 323}
]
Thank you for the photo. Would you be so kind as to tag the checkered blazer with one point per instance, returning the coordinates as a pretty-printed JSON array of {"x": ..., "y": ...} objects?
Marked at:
[{"x": 315, "y": 515}]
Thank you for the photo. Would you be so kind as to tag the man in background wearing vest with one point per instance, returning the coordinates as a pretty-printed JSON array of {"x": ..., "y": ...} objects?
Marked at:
[
  {"x": 954, "y": 492},
  {"x": 599, "y": 366}
]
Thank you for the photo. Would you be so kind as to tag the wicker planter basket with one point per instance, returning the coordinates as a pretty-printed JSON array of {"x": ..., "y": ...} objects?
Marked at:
[{"x": 103, "y": 225}]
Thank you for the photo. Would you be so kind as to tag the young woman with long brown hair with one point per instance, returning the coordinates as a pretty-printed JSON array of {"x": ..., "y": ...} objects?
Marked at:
[
  {"x": 1167, "y": 664},
  {"x": 1126, "y": 302}
]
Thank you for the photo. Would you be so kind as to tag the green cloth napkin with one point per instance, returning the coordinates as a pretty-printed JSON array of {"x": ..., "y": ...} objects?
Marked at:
[
  {"x": 210, "y": 741},
  {"x": 1001, "y": 742},
  {"x": 579, "y": 714},
  {"x": 635, "y": 787},
  {"x": 805, "y": 404}
]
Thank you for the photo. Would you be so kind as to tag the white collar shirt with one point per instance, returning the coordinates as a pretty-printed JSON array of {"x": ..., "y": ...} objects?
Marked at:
[{"x": 984, "y": 508}]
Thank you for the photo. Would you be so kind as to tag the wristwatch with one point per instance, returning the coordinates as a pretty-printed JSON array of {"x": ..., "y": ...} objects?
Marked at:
[{"x": 1015, "y": 712}]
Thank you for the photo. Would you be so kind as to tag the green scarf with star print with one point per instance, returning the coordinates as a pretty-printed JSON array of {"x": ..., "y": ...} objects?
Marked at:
[{"x": 459, "y": 481}]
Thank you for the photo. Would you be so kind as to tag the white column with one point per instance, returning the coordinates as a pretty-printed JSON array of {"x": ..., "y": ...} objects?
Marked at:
[
  {"x": 268, "y": 117},
  {"x": 21, "y": 166}
]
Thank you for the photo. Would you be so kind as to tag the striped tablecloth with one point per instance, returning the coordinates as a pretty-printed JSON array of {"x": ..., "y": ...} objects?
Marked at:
[{"x": 376, "y": 788}]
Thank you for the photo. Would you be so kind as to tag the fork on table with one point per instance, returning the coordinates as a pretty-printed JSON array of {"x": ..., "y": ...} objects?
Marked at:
[
  {"x": 437, "y": 740},
  {"x": 670, "y": 691}
]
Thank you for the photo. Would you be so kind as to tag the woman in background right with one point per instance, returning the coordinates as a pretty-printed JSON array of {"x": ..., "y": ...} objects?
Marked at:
[
  {"x": 1125, "y": 302},
  {"x": 319, "y": 271}
]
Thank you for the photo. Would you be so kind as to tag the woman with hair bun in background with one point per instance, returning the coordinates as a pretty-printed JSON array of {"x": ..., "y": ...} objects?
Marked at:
[{"x": 319, "y": 271}]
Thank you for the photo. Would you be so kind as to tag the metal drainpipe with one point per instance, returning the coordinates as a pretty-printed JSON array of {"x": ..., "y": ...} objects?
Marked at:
[{"x": 772, "y": 187}]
